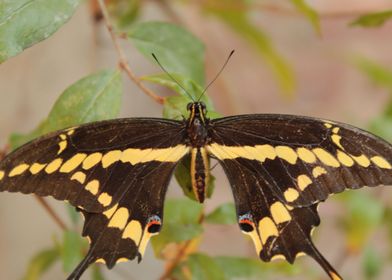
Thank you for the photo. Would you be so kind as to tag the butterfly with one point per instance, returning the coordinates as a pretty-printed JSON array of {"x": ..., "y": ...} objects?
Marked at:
[{"x": 280, "y": 167}]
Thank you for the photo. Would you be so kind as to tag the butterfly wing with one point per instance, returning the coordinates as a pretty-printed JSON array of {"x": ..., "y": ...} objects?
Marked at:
[
  {"x": 280, "y": 167},
  {"x": 92, "y": 165},
  {"x": 304, "y": 160},
  {"x": 115, "y": 172},
  {"x": 278, "y": 230}
]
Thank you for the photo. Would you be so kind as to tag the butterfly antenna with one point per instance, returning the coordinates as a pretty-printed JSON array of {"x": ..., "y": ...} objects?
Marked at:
[
  {"x": 217, "y": 75},
  {"x": 171, "y": 77}
]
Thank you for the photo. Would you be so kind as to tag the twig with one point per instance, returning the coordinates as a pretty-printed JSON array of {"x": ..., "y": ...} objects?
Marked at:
[
  {"x": 122, "y": 60},
  {"x": 51, "y": 212},
  {"x": 181, "y": 253}
]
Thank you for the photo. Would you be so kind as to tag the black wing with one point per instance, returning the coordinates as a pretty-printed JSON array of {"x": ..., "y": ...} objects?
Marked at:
[
  {"x": 115, "y": 172},
  {"x": 303, "y": 159},
  {"x": 90, "y": 166},
  {"x": 280, "y": 167}
]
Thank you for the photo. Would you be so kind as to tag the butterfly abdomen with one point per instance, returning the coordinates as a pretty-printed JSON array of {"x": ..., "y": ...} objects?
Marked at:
[{"x": 199, "y": 172}]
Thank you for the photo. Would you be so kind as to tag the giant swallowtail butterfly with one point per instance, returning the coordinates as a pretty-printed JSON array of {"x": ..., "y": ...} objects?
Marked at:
[{"x": 280, "y": 167}]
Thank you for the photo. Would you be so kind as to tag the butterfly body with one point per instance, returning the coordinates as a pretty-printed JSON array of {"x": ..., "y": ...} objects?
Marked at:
[{"x": 280, "y": 167}]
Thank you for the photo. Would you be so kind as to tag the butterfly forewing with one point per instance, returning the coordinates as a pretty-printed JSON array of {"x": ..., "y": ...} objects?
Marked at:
[
  {"x": 90, "y": 166},
  {"x": 303, "y": 159}
]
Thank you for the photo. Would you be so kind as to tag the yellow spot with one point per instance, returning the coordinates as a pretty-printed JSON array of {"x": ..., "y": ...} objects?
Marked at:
[
  {"x": 300, "y": 254},
  {"x": 133, "y": 231},
  {"x": 91, "y": 160},
  {"x": 318, "y": 171},
  {"x": 122, "y": 260},
  {"x": 71, "y": 131},
  {"x": 35, "y": 168},
  {"x": 291, "y": 194},
  {"x": 334, "y": 276},
  {"x": 362, "y": 160},
  {"x": 327, "y": 125},
  {"x": 286, "y": 153},
  {"x": 109, "y": 213},
  {"x": 93, "y": 187},
  {"x": 259, "y": 152},
  {"x": 303, "y": 181},
  {"x": 72, "y": 163},
  {"x": 335, "y": 129},
  {"x": 119, "y": 219},
  {"x": 306, "y": 155},
  {"x": 105, "y": 199},
  {"x": 63, "y": 136},
  {"x": 279, "y": 213},
  {"x": 278, "y": 257},
  {"x": 111, "y": 157},
  {"x": 135, "y": 156},
  {"x": 100, "y": 261},
  {"x": 265, "y": 151},
  {"x": 18, "y": 170},
  {"x": 256, "y": 240},
  {"x": 381, "y": 162},
  {"x": 62, "y": 146},
  {"x": 1, "y": 175},
  {"x": 336, "y": 139},
  {"x": 267, "y": 228},
  {"x": 88, "y": 239},
  {"x": 344, "y": 158},
  {"x": 143, "y": 243},
  {"x": 53, "y": 166},
  {"x": 325, "y": 157},
  {"x": 79, "y": 176}
]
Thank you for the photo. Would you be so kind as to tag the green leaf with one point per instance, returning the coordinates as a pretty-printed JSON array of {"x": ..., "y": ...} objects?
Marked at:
[
  {"x": 382, "y": 125},
  {"x": 182, "y": 174},
  {"x": 372, "y": 264},
  {"x": 175, "y": 105},
  {"x": 378, "y": 74},
  {"x": 373, "y": 19},
  {"x": 93, "y": 98},
  {"x": 240, "y": 23},
  {"x": 224, "y": 215},
  {"x": 72, "y": 250},
  {"x": 245, "y": 268},
  {"x": 176, "y": 48},
  {"x": 40, "y": 263},
  {"x": 309, "y": 12},
  {"x": 96, "y": 273},
  {"x": 74, "y": 216},
  {"x": 24, "y": 23},
  {"x": 360, "y": 221},
  {"x": 201, "y": 267},
  {"x": 181, "y": 223},
  {"x": 124, "y": 12}
]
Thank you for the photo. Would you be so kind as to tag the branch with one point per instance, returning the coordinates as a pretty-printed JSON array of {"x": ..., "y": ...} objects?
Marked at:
[
  {"x": 51, "y": 212},
  {"x": 122, "y": 60},
  {"x": 181, "y": 254}
]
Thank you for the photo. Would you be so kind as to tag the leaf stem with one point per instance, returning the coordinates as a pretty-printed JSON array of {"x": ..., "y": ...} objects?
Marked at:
[
  {"x": 181, "y": 253},
  {"x": 122, "y": 60}
]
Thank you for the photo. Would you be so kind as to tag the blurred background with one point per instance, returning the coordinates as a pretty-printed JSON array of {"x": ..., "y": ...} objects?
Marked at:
[{"x": 285, "y": 62}]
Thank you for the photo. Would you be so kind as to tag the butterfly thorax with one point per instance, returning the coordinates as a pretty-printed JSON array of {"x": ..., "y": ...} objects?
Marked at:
[{"x": 198, "y": 138}]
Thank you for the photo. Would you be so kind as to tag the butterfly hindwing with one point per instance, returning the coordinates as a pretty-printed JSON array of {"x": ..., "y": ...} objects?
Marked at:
[
  {"x": 92, "y": 165},
  {"x": 303, "y": 159},
  {"x": 278, "y": 230},
  {"x": 122, "y": 232}
]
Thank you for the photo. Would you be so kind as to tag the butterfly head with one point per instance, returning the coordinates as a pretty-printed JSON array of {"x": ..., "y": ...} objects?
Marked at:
[{"x": 197, "y": 110}]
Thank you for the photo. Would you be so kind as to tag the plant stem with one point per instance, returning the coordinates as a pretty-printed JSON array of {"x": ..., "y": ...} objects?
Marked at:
[
  {"x": 122, "y": 60},
  {"x": 181, "y": 254},
  {"x": 51, "y": 212}
]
